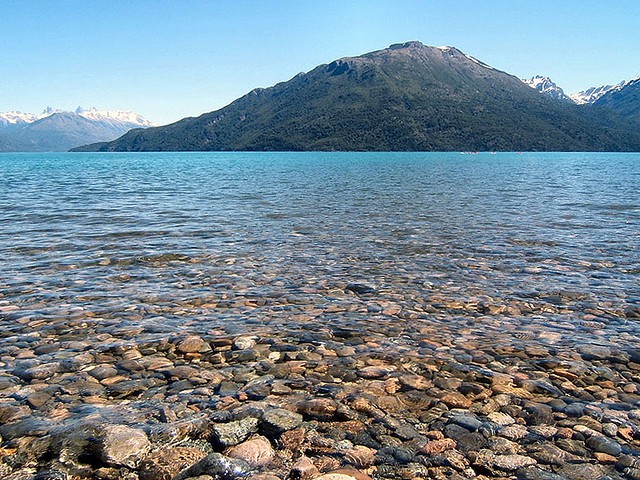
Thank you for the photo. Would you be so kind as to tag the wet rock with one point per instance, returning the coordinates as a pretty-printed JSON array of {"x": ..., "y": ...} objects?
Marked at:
[
  {"x": 219, "y": 467},
  {"x": 550, "y": 454},
  {"x": 323, "y": 409},
  {"x": 190, "y": 344},
  {"x": 584, "y": 471},
  {"x": 279, "y": 420},
  {"x": 344, "y": 474},
  {"x": 232, "y": 433},
  {"x": 256, "y": 452},
  {"x": 102, "y": 372},
  {"x": 468, "y": 422},
  {"x": 361, "y": 288},
  {"x": 304, "y": 469},
  {"x": 244, "y": 343},
  {"x": 376, "y": 371},
  {"x": 501, "y": 419},
  {"x": 119, "y": 445},
  {"x": 456, "y": 400},
  {"x": 38, "y": 399},
  {"x": 438, "y": 446},
  {"x": 536, "y": 473},
  {"x": 604, "y": 445},
  {"x": 168, "y": 462},
  {"x": 38, "y": 372},
  {"x": 486, "y": 458},
  {"x": 360, "y": 456}
]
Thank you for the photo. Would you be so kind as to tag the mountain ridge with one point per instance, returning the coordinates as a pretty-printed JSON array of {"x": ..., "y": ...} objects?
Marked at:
[
  {"x": 408, "y": 97},
  {"x": 59, "y": 130}
]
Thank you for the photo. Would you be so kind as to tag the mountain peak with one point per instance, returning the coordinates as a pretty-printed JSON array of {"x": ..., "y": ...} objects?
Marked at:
[
  {"x": 410, "y": 44},
  {"x": 407, "y": 97},
  {"x": 547, "y": 86},
  {"x": 59, "y": 130}
]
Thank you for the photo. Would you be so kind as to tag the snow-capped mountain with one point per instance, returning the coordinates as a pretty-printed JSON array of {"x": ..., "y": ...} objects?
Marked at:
[
  {"x": 58, "y": 130},
  {"x": 17, "y": 118},
  {"x": 624, "y": 99},
  {"x": 124, "y": 116},
  {"x": 547, "y": 86},
  {"x": 121, "y": 116},
  {"x": 594, "y": 93}
]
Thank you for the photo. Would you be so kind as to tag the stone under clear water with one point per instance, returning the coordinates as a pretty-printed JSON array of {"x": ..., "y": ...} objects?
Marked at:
[{"x": 158, "y": 290}]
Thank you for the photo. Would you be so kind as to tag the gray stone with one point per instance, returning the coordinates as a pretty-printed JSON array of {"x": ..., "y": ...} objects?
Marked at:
[
  {"x": 280, "y": 420},
  {"x": 232, "y": 433}
]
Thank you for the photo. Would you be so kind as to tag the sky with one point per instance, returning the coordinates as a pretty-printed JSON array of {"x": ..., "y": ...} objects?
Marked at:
[{"x": 170, "y": 59}]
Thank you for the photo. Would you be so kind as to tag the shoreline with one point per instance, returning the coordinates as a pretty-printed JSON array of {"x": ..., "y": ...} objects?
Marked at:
[{"x": 388, "y": 393}]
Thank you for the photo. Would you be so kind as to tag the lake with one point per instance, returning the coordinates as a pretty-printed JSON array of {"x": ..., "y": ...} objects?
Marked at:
[{"x": 318, "y": 275}]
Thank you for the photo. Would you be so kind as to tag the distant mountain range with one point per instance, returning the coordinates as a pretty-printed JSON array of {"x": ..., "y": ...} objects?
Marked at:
[
  {"x": 57, "y": 130},
  {"x": 623, "y": 98},
  {"x": 408, "y": 97}
]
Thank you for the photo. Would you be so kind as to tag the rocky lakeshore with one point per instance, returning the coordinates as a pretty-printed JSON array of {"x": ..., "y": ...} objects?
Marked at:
[{"x": 350, "y": 381}]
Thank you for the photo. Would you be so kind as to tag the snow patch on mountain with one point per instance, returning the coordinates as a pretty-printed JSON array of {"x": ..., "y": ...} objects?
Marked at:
[
  {"x": 547, "y": 86},
  {"x": 124, "y": 117},
  {"x": 17, "y": 118}
]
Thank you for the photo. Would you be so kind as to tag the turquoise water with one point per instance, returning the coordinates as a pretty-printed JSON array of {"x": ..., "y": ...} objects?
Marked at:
[{"x": 113, "y": 234}]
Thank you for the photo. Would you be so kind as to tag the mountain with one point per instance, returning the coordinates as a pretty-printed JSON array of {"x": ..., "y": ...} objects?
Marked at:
[
  {"x": 408, "y": 97},
  {"x": 56, "y": 130},
  {"x": 624, "y": 99},
  {"x": 592, "y": 94},
  {"x": 548, "y": 87}
]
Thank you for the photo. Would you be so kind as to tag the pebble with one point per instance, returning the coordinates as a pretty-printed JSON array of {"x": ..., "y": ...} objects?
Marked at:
[
  {"x": 168, "y": 462},
  {"x": 279, "y": 420},
  {"x": 232, "y": 433},
  {"x": 257, "y": 451},
  {"x": 273, "y": 368},
  {"x": 119, "y": 445}
]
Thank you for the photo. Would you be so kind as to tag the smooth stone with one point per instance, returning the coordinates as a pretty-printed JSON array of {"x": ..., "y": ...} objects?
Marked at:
[
  {"x": 279, "y": 420},
  {"x": 583, "y": 471},
  {"x": 190, "y": 344},
  {"x": 536, "y": 473},
  {"x": 604, "y": 445},
  {"x": 376, "y": 371},
  {"x": 360, "y": 456},
  {"x": 469, "y": 422},
  {"x": 344, "y": 474},
  {"x": 218, "y": 466},
  {"x": 256, "y": 452},
  {"x": 119, "y": 445},
  {"x": 323, "y": 409},
  {"x": 39, "y": 372},
  {"x": 438, "y": 446},
  {"x": 244, "y": 343},
  {"x": 456, "y": 400},
  {"x": 168, "y": 462}
]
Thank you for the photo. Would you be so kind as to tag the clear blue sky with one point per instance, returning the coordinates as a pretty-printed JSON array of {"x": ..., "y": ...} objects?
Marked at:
[{"x": 171, "y": 59}]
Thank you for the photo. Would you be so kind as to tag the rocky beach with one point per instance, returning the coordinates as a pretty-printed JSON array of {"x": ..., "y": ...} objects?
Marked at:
[{"x": 366, "y": 336}]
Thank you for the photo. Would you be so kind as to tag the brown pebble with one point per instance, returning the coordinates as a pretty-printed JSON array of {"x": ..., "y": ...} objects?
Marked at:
[
  {"x": 168, "y": 462},
  {"x": 360, "y": 456},
  {"x": 38, "y": 399},
  {"x": 304, "y": 469},
  {"x": 456, "y": 400},
  {"x": 438, "y": 446},
  {"x": 190, "y": 344},
  {"x": 256, "y": 451}
]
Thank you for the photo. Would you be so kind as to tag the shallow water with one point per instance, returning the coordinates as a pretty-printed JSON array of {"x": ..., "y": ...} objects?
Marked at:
[
  {"x": 473, "y": 264},
  {"x": 112, "y": 232}
]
